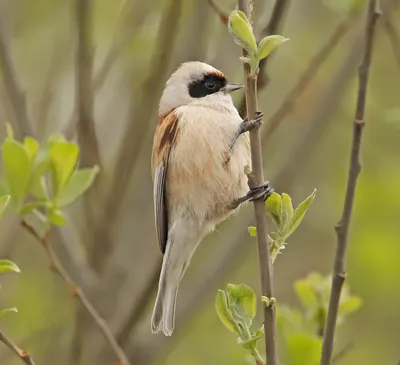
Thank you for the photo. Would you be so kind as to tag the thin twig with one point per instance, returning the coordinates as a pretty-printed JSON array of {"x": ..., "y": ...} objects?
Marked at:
[
  {"x": 257, "y": 178},
  {"x": 78, "y": 292},
  {"x": 14, "y": 89},
  {"x": 288, "y": 105},
  {"x": 275, "y": 23},
  {"x": 342, "y": 228},
  {"x": 23, "y": 355},
  {"x": 393, "y": 35},
  {"x": 222, "y": 15}
]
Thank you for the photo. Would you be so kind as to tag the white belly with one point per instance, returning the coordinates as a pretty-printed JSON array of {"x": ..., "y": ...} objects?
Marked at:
[{"x": 203, "y": 179}]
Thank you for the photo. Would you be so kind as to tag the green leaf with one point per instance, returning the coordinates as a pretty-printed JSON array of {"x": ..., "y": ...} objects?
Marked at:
[
  {"x": 304, "y": 349},
  {"x": 287, "y": 212},
  {"x": 64, "y": 157},
  {"x": 8, "y": 266},
  {"x": 300, "y": 212},
  {"x": 37, "y": 185},
  {"x": 242, "y": 32},
  {"x": 32, "y": 147},
  {"x": 223, "y": 311},
  {"x": 17, "y": 167},
  {"x": 253, "y": 231},
  {"x": 306, "y": 293},
  {"x": 252, "y": 342},
  {"x": 246, "y": 298},
  {"x": 273, "y": 207},
  {"x": 80, "y": 181},
  {"x": 6, "y": 311},
  {"x": 268, "y": 44},
  {"x": 3, "y": 203},
  {"x": 29, "y": 207},
  {"x": 57, "y": 217},
  {"x": 350, "y": 305}
]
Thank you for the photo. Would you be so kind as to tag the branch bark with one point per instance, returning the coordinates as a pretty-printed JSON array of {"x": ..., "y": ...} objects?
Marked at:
[
  {"x": 23, "y": 355},
  {"x": 276, "y": 20},
  {"x": 342, "y": 227},
  {"x": 78, "y": 292},
  {"x": 257, "y": 178}
]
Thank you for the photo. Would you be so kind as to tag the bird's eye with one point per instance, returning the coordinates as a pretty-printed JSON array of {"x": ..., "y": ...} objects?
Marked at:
[{"x": 210, "y": 84}]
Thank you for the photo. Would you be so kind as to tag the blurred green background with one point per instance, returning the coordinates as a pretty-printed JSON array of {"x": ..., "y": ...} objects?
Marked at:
[{"x": 109, "y": 244}]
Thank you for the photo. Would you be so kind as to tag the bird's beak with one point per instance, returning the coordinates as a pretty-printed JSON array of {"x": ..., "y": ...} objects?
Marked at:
[{"x": 228, "y": 88}]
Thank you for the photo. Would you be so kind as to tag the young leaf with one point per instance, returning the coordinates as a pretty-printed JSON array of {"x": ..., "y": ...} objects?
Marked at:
[
  {"x": 37, "y": 185},
  {"x": 246, "y": 298},
  {"x": 8, "y": 266},
  {"x": 29, "y": 207},
  {"x": 32, "y": 147},
  {"x": 268, "y": 44},
  {"x": 57, "y": 217},
  {"x": 80, "y": 181},
  {"x": 287, "y": 212},
  {"x": 6, "y": 311},
  {"x": 17, "y": 168},
  {"x": 64, "y": 157},
  {"x": 252, "y": 342},
  {"x": 300, "y": 212},
  {"x": 273, "y": 207},
  {"x": 253, "y": 231},
  {"x": 3, "y": 203},
  {"x": 223, "y": 311},
  {"x": 242, "y": 32}
]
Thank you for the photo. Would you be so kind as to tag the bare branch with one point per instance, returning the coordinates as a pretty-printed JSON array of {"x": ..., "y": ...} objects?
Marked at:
[
  {"x": 342, "y": 228},
  {"x": 84, "y": 95},
  {"x": 78, "y": 292},
  {"x": 14, "y": 89},
  {"x": 23, "y": 355},
  {"x": 257, "y": 178},
  {"x": 288, "y": 105},
  {"x": 275, "y": 23},
  {"x": 393, "y": 35}
]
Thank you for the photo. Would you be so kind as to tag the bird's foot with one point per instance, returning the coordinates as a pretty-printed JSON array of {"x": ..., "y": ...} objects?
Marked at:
[
  {"x": 248, "y": 125},
  {"x": 262, "y": 191}
]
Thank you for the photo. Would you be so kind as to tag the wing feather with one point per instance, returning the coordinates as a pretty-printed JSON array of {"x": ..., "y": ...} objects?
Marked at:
[{"x": 164, "y": 138}]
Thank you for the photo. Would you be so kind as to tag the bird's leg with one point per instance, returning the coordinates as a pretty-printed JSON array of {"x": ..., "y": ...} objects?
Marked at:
[
  {"x": 246, "y": 126},
  {"x": 262, "y": 191}
]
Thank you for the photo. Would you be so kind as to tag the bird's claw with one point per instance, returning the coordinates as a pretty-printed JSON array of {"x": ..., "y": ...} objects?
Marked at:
[
  {"x": 261, "y": 191},
  {"x": 248, "y": 125}
]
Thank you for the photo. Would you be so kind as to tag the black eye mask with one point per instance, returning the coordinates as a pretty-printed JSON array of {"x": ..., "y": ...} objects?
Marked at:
[{"x": 209, "y": 84}]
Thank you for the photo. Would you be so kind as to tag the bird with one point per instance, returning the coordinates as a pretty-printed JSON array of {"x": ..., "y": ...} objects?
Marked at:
[{"x": 200, "y": 151}]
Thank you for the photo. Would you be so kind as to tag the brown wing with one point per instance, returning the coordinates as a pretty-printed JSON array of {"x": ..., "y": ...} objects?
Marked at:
[{"x": 164, "y": 138}]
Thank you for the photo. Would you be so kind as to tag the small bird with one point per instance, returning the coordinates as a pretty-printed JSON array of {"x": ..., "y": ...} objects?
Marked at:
[{"x": 200, "y": 150}]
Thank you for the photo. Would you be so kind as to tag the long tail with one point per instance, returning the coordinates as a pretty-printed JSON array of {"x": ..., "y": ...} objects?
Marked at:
[{"x": 183, "y": 241}]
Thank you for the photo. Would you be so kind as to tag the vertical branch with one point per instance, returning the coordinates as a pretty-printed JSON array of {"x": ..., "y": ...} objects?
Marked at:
[
  {"x": 342, "y": 227},
  {"x": 23, "y": 355},
  {"x": 277, "y": 16},
  {"x": 256, "y": 177},
  {"x": 14, "y": 90},
  {"x": 84, "y": 94}
]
